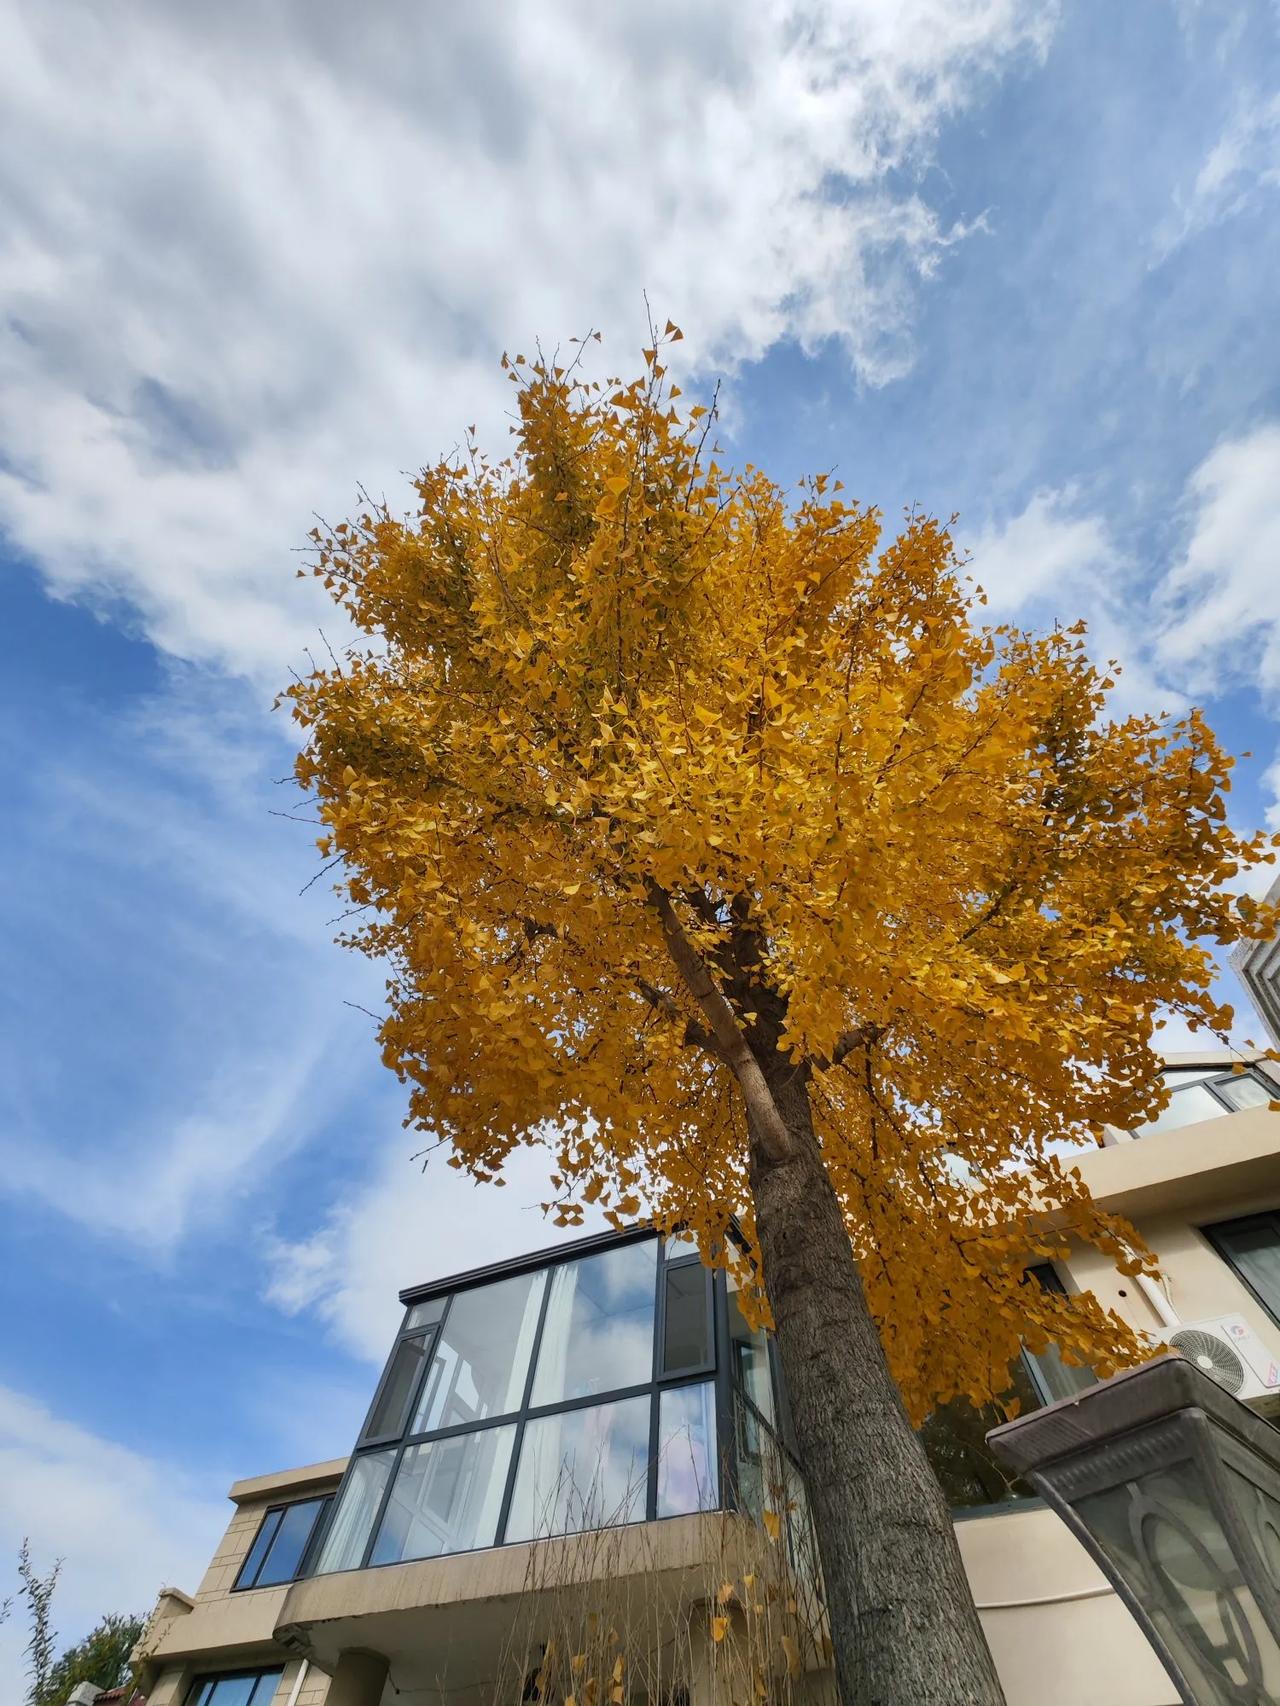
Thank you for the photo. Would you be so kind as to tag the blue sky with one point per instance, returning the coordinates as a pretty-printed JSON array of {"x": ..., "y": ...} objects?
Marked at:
[{"x": 1016, "y": 262}]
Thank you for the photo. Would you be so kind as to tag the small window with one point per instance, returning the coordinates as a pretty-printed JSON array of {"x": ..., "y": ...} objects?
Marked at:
[
  {"x": 428, "y": 1314},
  {"x": 243, "y": 1688},
  {"x": 686, "y": 1327},
  {"x": 1252, "y": 1247},
  {"x": 391, "y": 1406},
  {"x": 281, "y": 1544}
]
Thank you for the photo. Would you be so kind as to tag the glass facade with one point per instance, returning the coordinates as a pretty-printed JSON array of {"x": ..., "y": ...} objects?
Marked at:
[
  {"x": 1207, "y": 1093},
  {"x": 618, "y": 1384},
  {"x": 579, "y": 1394}
]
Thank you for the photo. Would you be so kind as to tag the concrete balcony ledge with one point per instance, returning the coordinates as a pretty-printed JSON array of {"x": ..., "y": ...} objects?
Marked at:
[
  {"x": 1230, "y": 1157},
  {"x": 239, "y": 1624},
  {"x": 454, "y": 1614}
]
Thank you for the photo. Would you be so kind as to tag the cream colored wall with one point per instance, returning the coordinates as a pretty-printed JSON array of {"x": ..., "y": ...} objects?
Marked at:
[
  {"x": 1059, "y": 1634},
  {"x": 1199, "y": 1283}
]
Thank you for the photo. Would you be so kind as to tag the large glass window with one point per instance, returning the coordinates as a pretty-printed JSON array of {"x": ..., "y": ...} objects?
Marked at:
[
  {"x": 687, "y": 1478},
  {"x": 352, "y": 1522},
  {"x": 447, "y": 1496},
  {"x": 482, "y": 1354},
  {"x": 243, "y": 1688},
  {"x": 1252, "y": 1247},
  {"x": 1206, "y": 1093},
  {"x": 280, "y": 1544},
  {"x": 598, "y": 1335},
  {"x": 582, "y": 1468}
]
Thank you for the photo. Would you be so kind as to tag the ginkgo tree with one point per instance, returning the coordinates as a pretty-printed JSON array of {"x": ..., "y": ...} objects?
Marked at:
[{"x": 715, "y": 841}]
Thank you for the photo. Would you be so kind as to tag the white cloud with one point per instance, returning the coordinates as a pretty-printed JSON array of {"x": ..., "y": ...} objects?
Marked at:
[
  {"x": 182, "y": 1026},
  {"x": 1045, "y": 551},
  {"x": 1244, "y": 161},
  {"x": 402, "y": 1227},
  {"x": 270, "y": 251},
  {"x": 1055, "y": 562},
  {"x": 1221, "y": 602},
  {"x": 126, "y": 1524}
]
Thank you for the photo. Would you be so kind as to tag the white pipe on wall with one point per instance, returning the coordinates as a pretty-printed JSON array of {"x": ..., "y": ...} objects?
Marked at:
[{"x": 1165, "y": 1312}]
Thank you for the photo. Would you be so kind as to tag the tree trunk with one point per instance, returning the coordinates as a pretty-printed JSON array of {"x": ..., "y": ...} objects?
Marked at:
[{"x": 903, "y": 1622}]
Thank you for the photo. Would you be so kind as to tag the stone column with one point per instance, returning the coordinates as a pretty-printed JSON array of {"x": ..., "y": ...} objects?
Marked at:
[{"x": 358, "y": 1680}]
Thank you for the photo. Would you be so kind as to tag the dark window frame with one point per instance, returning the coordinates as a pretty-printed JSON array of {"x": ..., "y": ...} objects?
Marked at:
[
  {"x": 258, "y": 1673},
  {"x": 324, "y": 1501},
  {"x": 1210, "y": 1082},
  {"x": 713, "y": 1371},
  {"x": 1269, "y": 1218}
]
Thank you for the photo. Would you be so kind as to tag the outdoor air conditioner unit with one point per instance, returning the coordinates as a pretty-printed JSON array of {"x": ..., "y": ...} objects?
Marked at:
[{"x": 1230, "y": 1352}]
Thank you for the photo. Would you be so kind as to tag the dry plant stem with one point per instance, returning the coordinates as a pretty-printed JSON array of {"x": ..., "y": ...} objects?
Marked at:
[{"x": 906, "y": 1631}]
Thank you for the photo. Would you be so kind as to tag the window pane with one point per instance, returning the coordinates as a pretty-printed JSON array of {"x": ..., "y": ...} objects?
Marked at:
[
  {"x": 1242, "y": 1091},
  {"x": 256, "y": 1689},
  {"x": 290, "y": 1542},
  {"x": 686, "y": 1333},
  {"x": 687, "y": 1479},
  {"x": 248, "y": 1576},
  {"x": 599, "y": 1329},
  {"x": 398, "y": 1388},
  {"x": 582, "y": 1469},
  {"x": 1186, "y": 1107},
  {"x": 426, "y": 1314},
  {"x": 1253, "y": 1249},
  {"x": 749, "y": 1350},
  {"x": 344, "y": 1544},
  {"x": 446, "y": 1497},
  {"x": 1060, "y": 1380},
  {"x": 482, "y": 1354},
  {"x": 955, "y": 1442}
]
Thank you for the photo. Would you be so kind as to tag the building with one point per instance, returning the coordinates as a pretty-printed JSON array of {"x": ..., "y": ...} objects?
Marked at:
[
  {"x": 610, "y": 1394},
  {"x": 1257, "y": 965}
]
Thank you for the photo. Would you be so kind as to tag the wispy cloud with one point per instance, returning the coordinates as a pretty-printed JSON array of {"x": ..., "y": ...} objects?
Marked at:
[
  {"x": 274, "y": 250},
  {"x": 1242, "y": 164},
  {"x": 402, "y": 1226},
  {"x": 1220, "y": 603},
  {"x": 162, "y": 952},
  {"x": 126, "y": 1524}
]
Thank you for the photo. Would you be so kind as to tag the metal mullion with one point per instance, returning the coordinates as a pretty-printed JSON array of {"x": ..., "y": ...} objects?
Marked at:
[
  {"x": 726, "y": 1437},
  {"x": 508, "y": 1491},
  {"x": 456, "y": 1428},
  {"x": 655, "y": 1369},
  {"x": 617, "y": 1396}
]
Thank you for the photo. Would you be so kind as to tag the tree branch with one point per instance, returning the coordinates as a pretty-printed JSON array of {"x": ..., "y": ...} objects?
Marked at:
[
  {"x": 775, "y": 1140},
  {"x": 695, "y": 1035}
]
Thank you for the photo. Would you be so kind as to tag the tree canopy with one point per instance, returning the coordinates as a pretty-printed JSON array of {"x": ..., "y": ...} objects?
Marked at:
[{"x": 652, "y": 770}]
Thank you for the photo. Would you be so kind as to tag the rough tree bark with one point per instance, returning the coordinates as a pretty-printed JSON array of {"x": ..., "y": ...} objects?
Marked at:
[{"x": 903, "y": 1622}]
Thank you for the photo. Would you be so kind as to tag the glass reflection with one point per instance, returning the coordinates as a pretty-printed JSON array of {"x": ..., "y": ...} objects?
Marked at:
[
  {"x": 582, "y": 1469},
  {"x": 482, "y": 1354},
  {"x": 598, "y": 1335}
]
